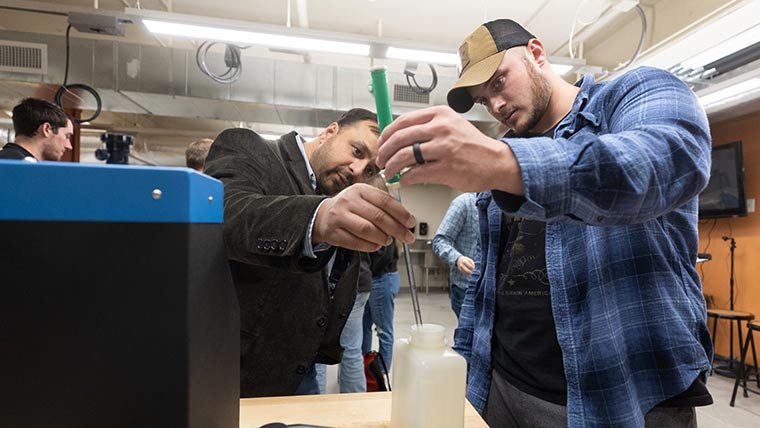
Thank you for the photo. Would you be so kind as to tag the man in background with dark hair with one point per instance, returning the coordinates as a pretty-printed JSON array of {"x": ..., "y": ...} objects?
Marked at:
[
  {"x": 43, "y": 132},
  {"x": 288, "y": 205},
  {"x": 196, "y": 152}
]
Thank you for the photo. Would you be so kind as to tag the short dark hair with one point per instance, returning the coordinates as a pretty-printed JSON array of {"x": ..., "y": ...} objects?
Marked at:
[
  {"x": 32, "y": 112},
  {"x": 195, "y": 155},
  {"x": 356, "y": 115}
]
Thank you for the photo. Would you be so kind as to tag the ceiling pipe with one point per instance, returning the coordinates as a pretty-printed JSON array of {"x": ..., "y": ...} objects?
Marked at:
[{"x": 303, "y": 13}]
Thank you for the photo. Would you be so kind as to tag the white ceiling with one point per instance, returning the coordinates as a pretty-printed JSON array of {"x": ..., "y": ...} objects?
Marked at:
[
  {"x": 440, "y": 23},
  {"x": 437, "y": 22}
]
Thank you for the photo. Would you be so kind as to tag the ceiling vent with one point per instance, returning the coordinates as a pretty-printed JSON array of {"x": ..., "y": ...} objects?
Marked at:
[
  {"x": 21, "y": 57},
  {"x": 405, "y": 94}
]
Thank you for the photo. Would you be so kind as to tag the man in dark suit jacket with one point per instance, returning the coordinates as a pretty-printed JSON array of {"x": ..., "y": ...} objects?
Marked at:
[{"x": 281, "y": 229}]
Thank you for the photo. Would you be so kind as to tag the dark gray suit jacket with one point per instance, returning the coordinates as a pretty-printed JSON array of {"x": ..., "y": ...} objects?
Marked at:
[{"x": 287, "y": 317}]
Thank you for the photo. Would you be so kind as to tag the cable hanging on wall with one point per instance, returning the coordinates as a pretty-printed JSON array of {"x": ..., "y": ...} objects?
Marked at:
[
  {"x": 410, "y": 70},
  {"x": 232, "y": 60},
  {"x": 66, "y": 88},
  {"x": 635, "y": 55}
]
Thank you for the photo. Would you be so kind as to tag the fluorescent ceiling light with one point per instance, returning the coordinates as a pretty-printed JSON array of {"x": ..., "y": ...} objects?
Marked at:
[
  {"x": 430, "y": 57},
  {"x": 708, "y": 41},
  {"x": 255, "y": 38},
  {"x": 725, "y": 48},
  {"x": 443, "y": 58},
  {"x": 730, "y": 93},
  {"x": 563, "y": 65},
  {"x": 562, "y": 69}
]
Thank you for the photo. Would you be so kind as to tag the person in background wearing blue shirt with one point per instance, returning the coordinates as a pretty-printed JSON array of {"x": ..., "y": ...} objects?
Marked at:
[
  {"x": 456, "y": 242},
  {"x": 587, "y": 310}
]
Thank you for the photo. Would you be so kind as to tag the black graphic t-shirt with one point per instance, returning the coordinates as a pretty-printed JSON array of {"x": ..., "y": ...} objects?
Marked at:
[{"x": 525, "y": 348}]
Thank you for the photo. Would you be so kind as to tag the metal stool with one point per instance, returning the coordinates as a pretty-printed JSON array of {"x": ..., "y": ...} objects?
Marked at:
[
  {"x": 731, "y": 316},
  {"x": 752, "y": 326}
]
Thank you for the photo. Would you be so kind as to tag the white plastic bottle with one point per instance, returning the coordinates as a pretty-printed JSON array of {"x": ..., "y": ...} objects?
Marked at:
[{"x": 428, "y": 381}]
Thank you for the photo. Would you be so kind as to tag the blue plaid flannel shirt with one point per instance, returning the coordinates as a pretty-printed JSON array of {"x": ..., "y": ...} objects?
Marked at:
[
  {"x": 458, "y": 235},
  {"x": 617, "y": 187}
]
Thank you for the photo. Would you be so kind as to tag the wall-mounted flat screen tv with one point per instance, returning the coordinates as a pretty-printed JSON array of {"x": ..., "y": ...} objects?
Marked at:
[{"x": 724, "y": 195}]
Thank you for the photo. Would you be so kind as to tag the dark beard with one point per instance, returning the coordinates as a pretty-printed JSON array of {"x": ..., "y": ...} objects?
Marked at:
[
  {"x": 323, "y": 178},
  {"x": 542, "y": 93}
]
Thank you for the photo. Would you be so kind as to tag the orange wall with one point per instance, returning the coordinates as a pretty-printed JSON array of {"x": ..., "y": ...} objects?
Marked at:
[{"x": 746, "y": 231}]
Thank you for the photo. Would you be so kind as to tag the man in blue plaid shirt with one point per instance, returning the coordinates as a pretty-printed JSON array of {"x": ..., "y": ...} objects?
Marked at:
[
  {"x": 456, "y": 243},
  {"x": 585, "y": 309}
]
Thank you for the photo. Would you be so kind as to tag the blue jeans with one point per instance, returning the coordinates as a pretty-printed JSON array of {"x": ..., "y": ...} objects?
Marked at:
[
  {"x": 321, "y": 376},
  {"x": 457, "y": 297},
  {"x": 379, "y": 311},
  {"x": 351, "y": 372}
]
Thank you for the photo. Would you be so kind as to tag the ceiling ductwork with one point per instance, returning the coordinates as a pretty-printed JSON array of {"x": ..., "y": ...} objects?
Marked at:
[{"x": 165, "y": 81}]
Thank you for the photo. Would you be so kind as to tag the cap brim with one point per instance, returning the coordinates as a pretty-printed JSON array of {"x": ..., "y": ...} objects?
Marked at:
[{"x": 458, "y": 97}]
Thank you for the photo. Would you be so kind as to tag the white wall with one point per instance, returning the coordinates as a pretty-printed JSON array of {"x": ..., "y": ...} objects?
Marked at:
[{"x": 428, "y": 203}]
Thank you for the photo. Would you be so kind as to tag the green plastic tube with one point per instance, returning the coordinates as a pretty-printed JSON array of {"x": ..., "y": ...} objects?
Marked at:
[
  {"x": 382, "y": 104},
  {"x": 382, "y": 96},
  {"x": 384, "y": 118}
]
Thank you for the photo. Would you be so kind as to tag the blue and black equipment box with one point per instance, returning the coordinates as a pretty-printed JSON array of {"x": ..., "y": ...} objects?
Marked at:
[{"x": 117, "y": 307}]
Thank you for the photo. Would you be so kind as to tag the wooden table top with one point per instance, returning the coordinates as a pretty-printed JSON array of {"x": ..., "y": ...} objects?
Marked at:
[{"x": 362, "y": 410}]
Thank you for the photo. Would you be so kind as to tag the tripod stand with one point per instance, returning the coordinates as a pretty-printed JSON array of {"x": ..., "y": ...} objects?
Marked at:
[
  {"x": 731, "y": 304},
  {"x": 732, "y": 316}
]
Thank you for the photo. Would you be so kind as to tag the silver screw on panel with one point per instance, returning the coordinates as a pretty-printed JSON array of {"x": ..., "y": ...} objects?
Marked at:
[
  {"x": 210, "y": 199},
  {"x": 157, "y": 193}
]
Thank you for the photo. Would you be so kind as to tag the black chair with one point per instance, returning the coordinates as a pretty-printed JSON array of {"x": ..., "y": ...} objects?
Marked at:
[{"x": 752, "y": 326}]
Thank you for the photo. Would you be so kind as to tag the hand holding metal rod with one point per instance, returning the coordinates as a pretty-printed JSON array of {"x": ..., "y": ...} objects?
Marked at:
[
  {"x": 392, "y": 186},
  {"x": 384, "y": 117}
]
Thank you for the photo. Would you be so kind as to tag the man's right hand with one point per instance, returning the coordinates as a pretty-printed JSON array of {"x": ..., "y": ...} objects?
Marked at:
[
  {"x": 362, "y": 218},
  {"x": 456, "y": 153},
  {"x": 465, "y": 265}
]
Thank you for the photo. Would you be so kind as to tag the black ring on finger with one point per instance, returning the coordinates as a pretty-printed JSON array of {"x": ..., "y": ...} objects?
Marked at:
[{"x": 417, "y": 154}]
